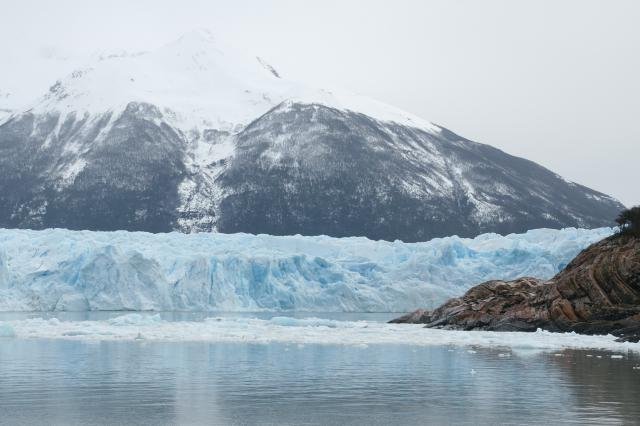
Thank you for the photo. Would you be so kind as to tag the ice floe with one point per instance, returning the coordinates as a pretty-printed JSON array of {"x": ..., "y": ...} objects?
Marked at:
[{"x": 304, "y": 331}]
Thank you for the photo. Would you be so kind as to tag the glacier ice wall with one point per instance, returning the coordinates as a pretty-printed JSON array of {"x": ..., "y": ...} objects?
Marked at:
[{"x": 58, "y": 269}]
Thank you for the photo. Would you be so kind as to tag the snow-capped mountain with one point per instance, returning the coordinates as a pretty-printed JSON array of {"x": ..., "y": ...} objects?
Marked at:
[
  {"x": 6, "y": 107},
  {"x": 198, "y": 136}
]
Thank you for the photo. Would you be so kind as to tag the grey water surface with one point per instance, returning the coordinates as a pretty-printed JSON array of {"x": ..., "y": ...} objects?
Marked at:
[{"x": 130, "y": 382}]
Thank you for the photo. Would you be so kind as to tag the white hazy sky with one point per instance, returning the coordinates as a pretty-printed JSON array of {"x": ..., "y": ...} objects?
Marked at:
[{"x": 557, "y": 82}]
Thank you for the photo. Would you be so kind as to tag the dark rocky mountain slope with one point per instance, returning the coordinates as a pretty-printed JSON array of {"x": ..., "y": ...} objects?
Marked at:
[{"x": 342, "y": 173}]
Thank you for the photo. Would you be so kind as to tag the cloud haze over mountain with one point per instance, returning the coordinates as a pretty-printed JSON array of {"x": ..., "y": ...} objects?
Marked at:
[{"x": 553, "y": 82}]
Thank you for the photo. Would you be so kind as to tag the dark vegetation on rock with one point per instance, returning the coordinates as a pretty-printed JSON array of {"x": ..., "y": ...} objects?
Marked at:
[
  {"x": 629, "y": 221},
  {"x": 597, "y": 293}
]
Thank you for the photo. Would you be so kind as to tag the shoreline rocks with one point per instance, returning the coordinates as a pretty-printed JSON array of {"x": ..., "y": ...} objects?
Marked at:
[{"x": 597, "y": 293}]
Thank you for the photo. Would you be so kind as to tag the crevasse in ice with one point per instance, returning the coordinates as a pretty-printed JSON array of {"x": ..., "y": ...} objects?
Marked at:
[{"x": 58, "y": 269}]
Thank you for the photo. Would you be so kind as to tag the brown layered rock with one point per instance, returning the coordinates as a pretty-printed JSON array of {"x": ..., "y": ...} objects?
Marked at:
[{"x": 597, "y": 293}]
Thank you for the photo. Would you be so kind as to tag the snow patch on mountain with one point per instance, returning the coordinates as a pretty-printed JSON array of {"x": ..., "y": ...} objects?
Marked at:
[
  {"x": 198, "y": 83},
  {"x": 6, "y": 105}
]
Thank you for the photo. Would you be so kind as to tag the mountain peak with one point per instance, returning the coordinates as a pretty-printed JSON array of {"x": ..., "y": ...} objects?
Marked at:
[
  {"x": 200, "y": 34},
  {"x": 199, "y": 39},
  {"x": 203, "y": 83}
]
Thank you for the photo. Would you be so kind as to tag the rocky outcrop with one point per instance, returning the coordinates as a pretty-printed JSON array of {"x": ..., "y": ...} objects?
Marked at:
[{"x": 597, "y": 293}]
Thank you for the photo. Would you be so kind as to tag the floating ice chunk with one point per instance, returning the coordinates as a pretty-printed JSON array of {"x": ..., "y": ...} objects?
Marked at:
[
  {"x": 304, "y": 322},
  {"x": 6, "y": 330},
  {"x": 74, "y": 333},
  {"x": 135, "y": 319}
]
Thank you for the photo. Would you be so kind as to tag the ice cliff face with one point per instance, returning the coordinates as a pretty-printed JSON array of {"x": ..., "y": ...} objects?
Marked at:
[
  {"x": 82, "y": 270},
  {"x": 199, "y": 137}
]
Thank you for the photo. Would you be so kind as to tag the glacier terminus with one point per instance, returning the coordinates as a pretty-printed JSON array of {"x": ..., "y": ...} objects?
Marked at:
[{"x": 61, "y": 270}]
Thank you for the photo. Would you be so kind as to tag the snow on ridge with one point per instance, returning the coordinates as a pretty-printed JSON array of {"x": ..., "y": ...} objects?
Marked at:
[
  {"x": 58, "y": 269},
  {"x": 8, "y": 105},
  {"x": 200, "y": 83}
]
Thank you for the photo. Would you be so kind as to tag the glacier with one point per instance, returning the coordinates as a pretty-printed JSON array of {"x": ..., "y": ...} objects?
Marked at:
[{"x": 62, "y": 270}]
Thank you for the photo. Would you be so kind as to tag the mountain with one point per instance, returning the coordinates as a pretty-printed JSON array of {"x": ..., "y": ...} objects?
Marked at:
[{"x": 196, "y": 136}]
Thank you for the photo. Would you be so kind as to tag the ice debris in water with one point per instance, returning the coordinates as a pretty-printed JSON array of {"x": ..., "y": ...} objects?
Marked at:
[
  {"x": 61, "y": 270},
  {"x": 135, "y": 319},
  {"x": 305, "y": 322},
  {"x": 6, "y": 330},
  {"x": 304, "y": 331}
]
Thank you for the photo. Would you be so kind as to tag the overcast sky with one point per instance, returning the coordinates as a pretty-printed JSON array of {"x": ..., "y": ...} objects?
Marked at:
[{"x": 557, "y": 82}]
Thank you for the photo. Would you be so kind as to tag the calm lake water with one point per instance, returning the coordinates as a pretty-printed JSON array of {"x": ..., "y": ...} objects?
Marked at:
[{"x": 123, "y": 382}]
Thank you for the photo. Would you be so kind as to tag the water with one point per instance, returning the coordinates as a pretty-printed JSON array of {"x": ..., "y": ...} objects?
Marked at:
[{"x": 51, "y": 381}]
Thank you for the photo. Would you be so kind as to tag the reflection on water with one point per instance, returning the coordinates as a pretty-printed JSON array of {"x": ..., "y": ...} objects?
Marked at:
[{"x": 70, "y": 382}]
